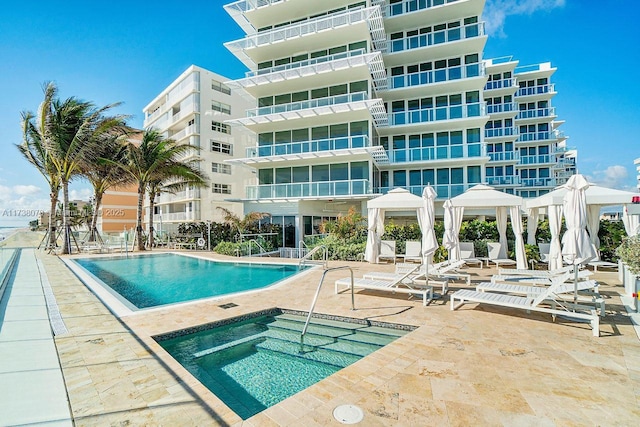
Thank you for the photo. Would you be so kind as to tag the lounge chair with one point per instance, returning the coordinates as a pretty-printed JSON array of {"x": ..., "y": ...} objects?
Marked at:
[
  {"x": 417, "y": 274},
  {"x": 544, "y": 249},
  {"x": 412, "y": 251},
  {"x": 565, "y": 291},
  {"x": 597, "y": 262},
  {"x": 468, "y": 254},
  {"x": 493, "y": 248},
  {"x": 449, "y": 271},
  {"x": 398, "y": 285},
  {"x": 535, "y": 277},
  {"x": 388, "y": 250},
  {"x": 531, "y": 302}
]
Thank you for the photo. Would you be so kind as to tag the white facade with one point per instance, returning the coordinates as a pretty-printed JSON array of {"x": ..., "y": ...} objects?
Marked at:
[
  {"x": 358, "y": 97},
  {"x": 193, "y": 109}
]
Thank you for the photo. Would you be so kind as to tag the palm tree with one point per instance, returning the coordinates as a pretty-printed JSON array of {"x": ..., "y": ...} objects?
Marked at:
[
  {"x": 155, "y": 164},
  {"x": 241, "y": 224},
  {"x": 102, "y": 174},
  {"x": 33, "y": 149},
  {"x": 71, "y": 130}
]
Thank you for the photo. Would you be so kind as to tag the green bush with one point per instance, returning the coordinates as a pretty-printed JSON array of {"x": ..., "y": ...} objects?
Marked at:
[
  {"x": 227, "y": 248},
  {"x": 629, "y": 253}
]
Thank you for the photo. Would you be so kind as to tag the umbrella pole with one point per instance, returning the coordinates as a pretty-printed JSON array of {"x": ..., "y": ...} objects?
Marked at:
[{"x": 575, "y": 284}]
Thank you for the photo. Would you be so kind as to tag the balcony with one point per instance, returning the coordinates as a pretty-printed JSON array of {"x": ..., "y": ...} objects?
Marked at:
[
  {"x": 332, "y": 144},
  {"x": 185, "y": 111},
  {"x": 298, "y": 37},
  {"x": 443, "y": 75},
  {"x": 501, "y": 132},
  {"x": 448, "y": 152},
  {"x": 413, "y": 13},
  {"x": 537, "y": 159},
  {"x": 429, "y": 115},
  {"x": 176, "y": 216},
  {"x": 537, "y": 113},
  {"x": 180, "y": 196},
  {"x": 314, "y": 67},
  {"x": 504, "y": 156},
  {"x": 504, "y": 110},
  {"x": 445, "y": 191},
  {"x": 178, "y": 93},
  {"x": 503, "y": 180},
  {"x": 537, "y": 90},
  {"x": 538, "y": 182},
  {"x": 541, "y": 136},
  {"x": 187, "y": 131},
  {"x": 501, "y": 84},
  {"x": 435, "y": 38},
  {"x": 357, "y": 187}
]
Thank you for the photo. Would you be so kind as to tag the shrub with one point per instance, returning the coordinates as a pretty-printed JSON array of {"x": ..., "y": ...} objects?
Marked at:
[
  {"x": 629, "y": 253},
  {"x": 227, "y": 248}
]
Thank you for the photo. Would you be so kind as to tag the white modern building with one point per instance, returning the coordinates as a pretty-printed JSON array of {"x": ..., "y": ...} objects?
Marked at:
[
  {"x": 194, "y": 109},
  {"x": 358, "y": 97}
]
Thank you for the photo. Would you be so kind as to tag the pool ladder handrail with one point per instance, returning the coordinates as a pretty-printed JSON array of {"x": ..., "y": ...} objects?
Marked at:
[
  {"x": 312, "y": 252},
  {"x": 238, "y": 253},
  {"x": 315, "y": 299}
]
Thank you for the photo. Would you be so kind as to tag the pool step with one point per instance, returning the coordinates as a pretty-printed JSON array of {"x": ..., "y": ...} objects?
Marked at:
[
  {"x": 317, "y": 342},
  {"x": 396, "y": 333},
  {"x": 320, "y": 355}
]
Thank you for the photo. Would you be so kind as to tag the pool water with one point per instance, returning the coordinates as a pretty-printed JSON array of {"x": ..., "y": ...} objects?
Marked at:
[
  {"x": 254, "y": 363},
  {"x": 153, "y": 280}
]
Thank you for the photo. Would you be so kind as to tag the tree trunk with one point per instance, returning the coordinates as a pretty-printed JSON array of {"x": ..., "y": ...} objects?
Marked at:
[
  {"x": 66, "y": 220},
  {"x": 52, "y": 220},
  {"x": 152, "y": 201},
  {"x": 139, "y": 218},
  {"x": 94, "y": 216}
]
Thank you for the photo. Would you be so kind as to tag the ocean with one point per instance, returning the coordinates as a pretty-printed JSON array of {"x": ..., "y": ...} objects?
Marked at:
[{"x": 7, "y": 231}]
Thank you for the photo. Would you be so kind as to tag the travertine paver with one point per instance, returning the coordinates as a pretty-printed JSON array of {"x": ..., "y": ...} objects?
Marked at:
[{"x": 476, "y": 366}]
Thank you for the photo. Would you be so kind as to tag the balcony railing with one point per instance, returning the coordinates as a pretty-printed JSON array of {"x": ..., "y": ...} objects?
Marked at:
[
  {"x": 355, "y": 187},
  {"x": 445, "y": 191},
  {"x": 191, "y": 129},
  {"x": 330, "y": 144},
  {"x": 313, "y": 103},
  {"x": 502, "y": 108},
  {"x": 180, "y": 195},
  {"x": 176, "y": 216},
  {"x": 436, "y": 153},
  {"x": 408, "y": 6},
  {"x": 437, "y": 37},
  {"x": 537, "y": 159},
  {"x": 436, "y": 76},
  {"x": 300, "y": 64},
  {"x": 426, "y": 115},
  {"x": 498, "y": 132},
  {"x": 247, "y": 5},
  {"x": 538, "y": 112},
  {"x": 501, "y": 84},
  {"x": 540, "y": 136},
  {"x": 503, "y": 180},
  {"x": 504, "y": 156},
  {"x": 538, "y": 182},
  {"x": 536, "y": 90}
]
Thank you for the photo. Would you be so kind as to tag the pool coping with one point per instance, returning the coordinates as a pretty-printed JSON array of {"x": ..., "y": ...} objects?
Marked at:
[{"x": 120, "y": 307}]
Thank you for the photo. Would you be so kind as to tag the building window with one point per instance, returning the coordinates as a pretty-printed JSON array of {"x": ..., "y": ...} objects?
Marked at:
[
  {"x": 221, "y": 188},
  {"x": 221, "y": 168},
  {"x": 220, "y": 127},
  {"x": 221, "y": 106},
  {"x": 220, "y": 87},
  {"x": 221, "y": 147}
]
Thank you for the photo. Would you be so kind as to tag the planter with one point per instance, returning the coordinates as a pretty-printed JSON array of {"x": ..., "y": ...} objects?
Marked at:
[{"x": 631, "y": 282}]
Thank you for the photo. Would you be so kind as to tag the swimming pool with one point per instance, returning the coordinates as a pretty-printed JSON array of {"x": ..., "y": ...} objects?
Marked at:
[
  {"x": 254, "y": 362},
  {"x": 155, "y": 280}
]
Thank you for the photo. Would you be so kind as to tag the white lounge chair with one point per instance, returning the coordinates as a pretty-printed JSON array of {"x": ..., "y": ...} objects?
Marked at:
[
  {"x": 544, "y": 249},
  {"x": 387, "y": 250},
  {"x": 535, "y": 277},
  {"x": 530, "y": 302},
  {"x": 597, "y": 262},
  {"x": 417, "y": 274},
  {"x": 468, "y": 254},
  {"x": 398, "y": 285},
  {"x": 449, "y": 271},
  {"x": 565, "y": 291},
  {"x": 412, "y": 251},
  {"x": 493, "y": 249}
]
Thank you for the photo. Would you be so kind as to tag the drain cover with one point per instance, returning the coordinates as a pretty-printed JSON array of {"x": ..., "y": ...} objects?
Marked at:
[{"x": 348, "y": 414}]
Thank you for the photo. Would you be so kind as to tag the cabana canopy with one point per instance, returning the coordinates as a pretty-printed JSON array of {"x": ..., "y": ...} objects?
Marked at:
[
  {"x": 596, "y": 195},
  {"x": 397, "y": 199}
]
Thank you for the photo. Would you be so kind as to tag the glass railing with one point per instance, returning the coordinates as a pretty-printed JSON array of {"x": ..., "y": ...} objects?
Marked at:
[
  {"x": 498, "y": 132},
  {"x": 503, "y": 180},
  {"x": 247, "y": 5},
  {"x": 540, "y": 136},
  {"x": 504, "y": 156},
  {"x": 312, "y": 103},
  {"x": 176, "y": 216},
  {"x": 445, "y": 191},
  {"x": 436, "y": 76},
  {"x": 538, "y": 112},
  {"x": 536, "y": 159},
  {"x": 436, "y": 153},
  {"x": 535, "y": 90},
  {"x": 300, "y": 64},
  {"x": 500, "y": 84},
  {"x": 309, "y": 189},
  {"x": 408, "y": 6},
  {"x": 502, "y": 108},
  {"x": 330, "y": 144},
  {"x": 437, "y": 37},
  {"x": 426, "y": 115},
  {"x": 538, "y": 182}
]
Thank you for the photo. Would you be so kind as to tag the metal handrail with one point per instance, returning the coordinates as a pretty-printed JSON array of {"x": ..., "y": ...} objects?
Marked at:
[
  {"x": 325, "y": 256},
  {"x": 315, "y": 299}
]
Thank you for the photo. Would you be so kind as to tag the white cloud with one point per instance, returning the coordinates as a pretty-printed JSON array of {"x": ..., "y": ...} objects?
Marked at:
[
  {"x": 81, "y": 194},
  {"x": 26, "y": 190},
  {"x": 612, "y": 177},
  {"x": 21, "y": 203},
  {"x": 496, "y": 11}
]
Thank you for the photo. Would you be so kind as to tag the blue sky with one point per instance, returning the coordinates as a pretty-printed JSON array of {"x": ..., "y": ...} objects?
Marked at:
[{"x": 129, "y": 51}]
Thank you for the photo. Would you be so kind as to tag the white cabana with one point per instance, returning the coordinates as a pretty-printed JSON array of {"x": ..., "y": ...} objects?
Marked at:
[
  {"x": 452, "y": 222},
  {"x": 397, "y": 200},
  {"x": 426, "y": 220},
  {"x": 483, "y": 196},
  {"x": 596, "y": 197}
]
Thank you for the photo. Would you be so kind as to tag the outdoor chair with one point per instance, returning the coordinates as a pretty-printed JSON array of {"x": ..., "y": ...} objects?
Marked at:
[
  {"x": 388, "y": 250},
  {"x": 468, "y": 254},
  {"x": 493, "y": 249},
  {"x": 412, "y": 251}
]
